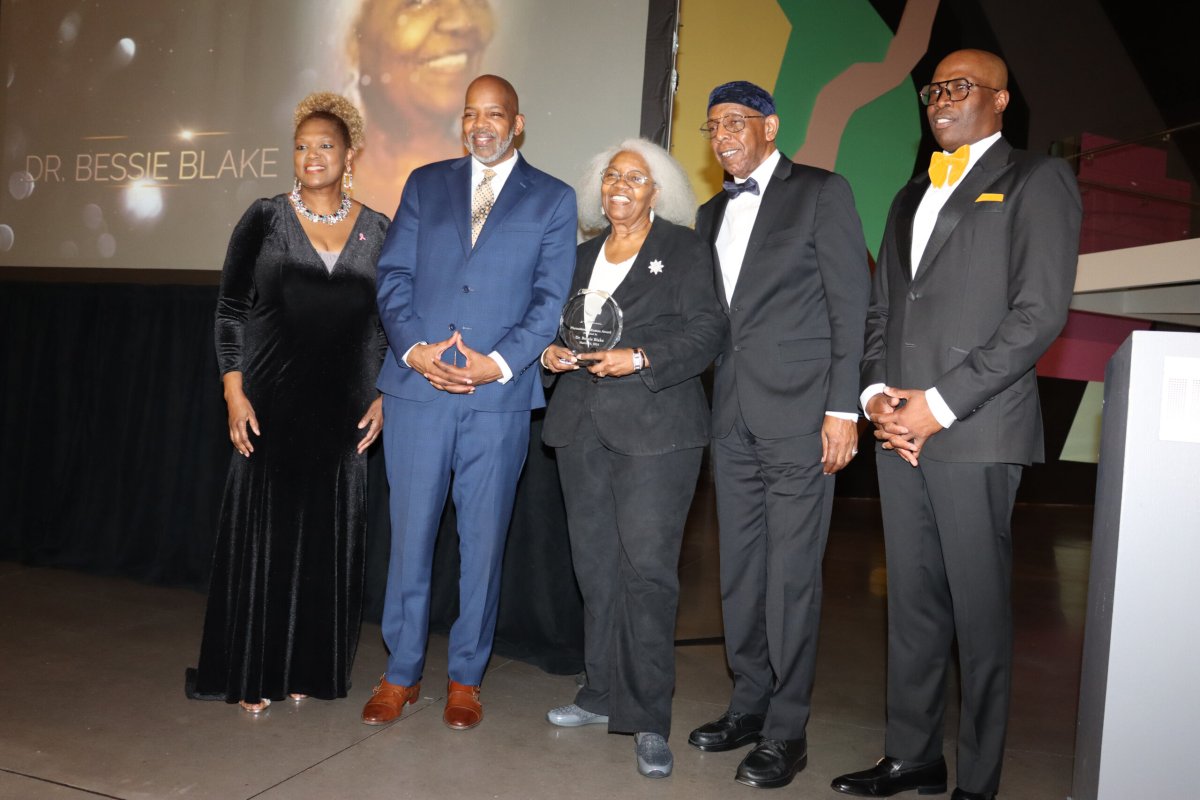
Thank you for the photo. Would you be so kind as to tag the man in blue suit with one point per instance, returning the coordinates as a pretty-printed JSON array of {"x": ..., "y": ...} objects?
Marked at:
[{"x": 471, "y": 280}]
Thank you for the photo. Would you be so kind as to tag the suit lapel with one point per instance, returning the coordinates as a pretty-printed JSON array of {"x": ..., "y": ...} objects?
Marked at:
[
  {"x": 458, "y": 186},
  {"x": 585, "y": 264},
  {"x": 992, "y": 165},
  {"x": 514, "y": 190},
  {"x": 768, "y": 213},
  {"x": 629, "y": 289},
  {"x": 906, "y": 215},
  {"x": 717, "y": 211}
]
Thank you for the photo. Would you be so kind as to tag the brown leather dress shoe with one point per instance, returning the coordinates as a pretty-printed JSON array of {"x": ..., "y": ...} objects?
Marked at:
[
  {"x": 463, "y": 709},
  {"x": 388, "y": 701}
]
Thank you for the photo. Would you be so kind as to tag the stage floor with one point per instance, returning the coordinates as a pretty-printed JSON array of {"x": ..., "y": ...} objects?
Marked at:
[{"x": 92, "y": 703}]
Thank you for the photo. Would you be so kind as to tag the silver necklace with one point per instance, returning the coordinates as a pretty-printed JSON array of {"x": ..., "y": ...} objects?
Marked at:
[{"x": 327, "y": 219}]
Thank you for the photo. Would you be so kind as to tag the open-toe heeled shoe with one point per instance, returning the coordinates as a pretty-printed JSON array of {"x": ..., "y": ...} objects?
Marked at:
[{"x": 255, "y": 708}]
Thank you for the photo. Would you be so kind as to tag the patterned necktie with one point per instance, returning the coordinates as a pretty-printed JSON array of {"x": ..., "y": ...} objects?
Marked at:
[
  {"x": 481, "y": 203},
  {"x": 946, "y": 168},
  {"x": 733, "y": 188}
]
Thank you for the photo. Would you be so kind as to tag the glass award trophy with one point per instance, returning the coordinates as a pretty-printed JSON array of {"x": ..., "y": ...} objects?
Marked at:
[{"x": 591, "y": 321}]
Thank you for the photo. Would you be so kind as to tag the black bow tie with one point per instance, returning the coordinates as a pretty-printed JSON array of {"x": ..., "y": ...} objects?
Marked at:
[{"x": 733, "y": 189}]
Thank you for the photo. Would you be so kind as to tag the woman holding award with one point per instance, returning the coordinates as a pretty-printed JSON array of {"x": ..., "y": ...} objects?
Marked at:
[{"x": 629, "y": 420}]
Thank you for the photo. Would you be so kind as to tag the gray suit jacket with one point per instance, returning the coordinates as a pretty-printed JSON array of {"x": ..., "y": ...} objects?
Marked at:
[
  {"x": 796, "y": 316},
  {"x": 989, "y": 296},
  {"x": 673, "y": 315}
]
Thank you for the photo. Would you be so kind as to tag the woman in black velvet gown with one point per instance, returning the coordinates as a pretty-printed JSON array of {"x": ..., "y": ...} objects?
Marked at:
[{"x": 299, "y": 346}]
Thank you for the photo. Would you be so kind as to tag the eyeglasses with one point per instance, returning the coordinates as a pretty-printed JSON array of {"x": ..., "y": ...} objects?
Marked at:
[
  {"x": 734, "y": 123},
  {"x": 956, "y": 89},
  {"x": 633, "y": 177}
]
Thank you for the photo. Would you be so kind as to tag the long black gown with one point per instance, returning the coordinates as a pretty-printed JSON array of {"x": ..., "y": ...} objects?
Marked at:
[{"x": 286, "y": 592}]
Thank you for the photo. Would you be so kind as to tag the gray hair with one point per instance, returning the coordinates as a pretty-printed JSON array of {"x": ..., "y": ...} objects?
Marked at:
[{"x": 676, "y": 200}]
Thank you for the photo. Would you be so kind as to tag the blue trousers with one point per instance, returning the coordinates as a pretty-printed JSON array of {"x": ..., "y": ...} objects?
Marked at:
[{"x": 424, "y": 444}]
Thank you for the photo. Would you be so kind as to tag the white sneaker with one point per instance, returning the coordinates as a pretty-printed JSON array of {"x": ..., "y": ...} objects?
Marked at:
[{"x": 573, "y": 716}]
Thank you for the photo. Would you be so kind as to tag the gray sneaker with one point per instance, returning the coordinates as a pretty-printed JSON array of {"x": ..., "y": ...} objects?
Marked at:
[
  {"x": 573, "y": 716},
  {"x": 654, "y": 758}
]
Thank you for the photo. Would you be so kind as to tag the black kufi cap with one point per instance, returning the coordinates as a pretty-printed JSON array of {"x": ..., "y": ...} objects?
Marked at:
[{"x": 744, "y": 93}]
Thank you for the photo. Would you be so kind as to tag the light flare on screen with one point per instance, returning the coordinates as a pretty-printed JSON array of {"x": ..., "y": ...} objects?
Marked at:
[
  {"x": 20, "y": 185},
  {"x": 124, "y": 52},
  {"x": 144, "y": 201}
]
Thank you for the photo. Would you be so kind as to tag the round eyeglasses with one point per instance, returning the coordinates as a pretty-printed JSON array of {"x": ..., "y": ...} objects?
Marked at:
[
  {"x": 633, "y": 177},
  {"x": 956, "y": 89},
  {"x": 734, "y": 123}
]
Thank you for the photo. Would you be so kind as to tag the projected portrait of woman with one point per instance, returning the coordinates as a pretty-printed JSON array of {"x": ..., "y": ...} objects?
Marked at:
[{"x": 413, "y": 61}]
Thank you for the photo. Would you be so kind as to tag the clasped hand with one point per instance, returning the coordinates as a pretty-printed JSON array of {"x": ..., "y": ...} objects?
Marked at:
[
  {"x": 608, "y": 363},
  {"x": 903, "y": 421},
  {"x": 477, "y": 368}
]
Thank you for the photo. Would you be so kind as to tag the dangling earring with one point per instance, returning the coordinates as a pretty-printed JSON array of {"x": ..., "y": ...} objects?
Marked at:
[
  {"x": 348, "y": 181},
  {"x": 296, "y": 185}
]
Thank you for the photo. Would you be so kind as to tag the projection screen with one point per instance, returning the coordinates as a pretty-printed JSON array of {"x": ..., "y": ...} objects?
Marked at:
[{"x": 135, "y": 132}]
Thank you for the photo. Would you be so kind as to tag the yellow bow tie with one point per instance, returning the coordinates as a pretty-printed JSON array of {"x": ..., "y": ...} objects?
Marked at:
[{"x": 945, "y": 170}]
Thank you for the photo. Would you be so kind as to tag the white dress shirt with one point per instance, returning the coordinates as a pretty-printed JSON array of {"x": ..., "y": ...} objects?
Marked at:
[
  {"x": 502, "y": 169},
  {"x": 738, "y": 222},
  {"x": 607, "y": 276},
  {"x": 736, "y": 226},
  {"x": 923, "y": 223}
]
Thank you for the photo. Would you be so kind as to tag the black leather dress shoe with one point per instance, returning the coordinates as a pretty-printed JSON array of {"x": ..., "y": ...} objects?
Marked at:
[
  {"x": 892, "y": 776},
  {"x": 773, "y": 763},
  {"x": 962, "y": 794},
  {"x": 731, "y": 731}
]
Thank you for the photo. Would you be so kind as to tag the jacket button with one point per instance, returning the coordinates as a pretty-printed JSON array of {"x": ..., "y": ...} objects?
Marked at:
[
  {"x": 466, "y": 289},
  {"x": 737, "y": 348},
  {"x": 913, "y": 295},
  {"x": 450, "y": 326}
]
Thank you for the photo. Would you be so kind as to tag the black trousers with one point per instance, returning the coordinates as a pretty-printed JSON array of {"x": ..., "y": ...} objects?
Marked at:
[
  {"x": 773, "y": 505},
  {"x": 947, "y": 529},
  {"x": 626, "y": 516}
]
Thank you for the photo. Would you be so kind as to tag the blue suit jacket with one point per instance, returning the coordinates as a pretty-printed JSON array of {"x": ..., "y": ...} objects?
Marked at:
[{"x": 505, "y": 294}]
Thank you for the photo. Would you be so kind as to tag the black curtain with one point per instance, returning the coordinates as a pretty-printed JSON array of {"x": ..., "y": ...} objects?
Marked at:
[
  {"x": 658, "y": 74},
  {"x": 112, "y": 429},
  {"x": 113, "y": 452}
]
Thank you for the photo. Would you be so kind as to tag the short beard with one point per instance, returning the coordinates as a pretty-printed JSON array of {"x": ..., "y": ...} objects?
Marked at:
[{"x": 500, "y": 151}]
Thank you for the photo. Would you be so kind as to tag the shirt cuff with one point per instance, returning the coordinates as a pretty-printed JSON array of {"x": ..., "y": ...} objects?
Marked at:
[
  {"x": 505, "y": 372},
  {"x": 846, "y": 415},
  {"x": 865, "y": 397},
  {"x": 404, "y": 357},
  {"x": 937, "y": 406}
]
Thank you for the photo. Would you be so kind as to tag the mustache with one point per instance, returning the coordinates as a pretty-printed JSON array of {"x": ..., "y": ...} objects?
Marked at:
[{"x": 500, "y": 149}]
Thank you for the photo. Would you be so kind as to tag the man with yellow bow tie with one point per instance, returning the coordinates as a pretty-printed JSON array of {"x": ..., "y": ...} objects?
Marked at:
[{"x": 974, "y": 278}]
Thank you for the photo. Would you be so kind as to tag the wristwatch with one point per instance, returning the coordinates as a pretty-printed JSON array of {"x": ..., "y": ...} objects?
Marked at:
[{"x": 639, "y": 360}]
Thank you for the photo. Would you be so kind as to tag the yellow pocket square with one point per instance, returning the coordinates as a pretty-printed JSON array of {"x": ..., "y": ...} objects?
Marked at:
[{"x": 990, "y": 198}]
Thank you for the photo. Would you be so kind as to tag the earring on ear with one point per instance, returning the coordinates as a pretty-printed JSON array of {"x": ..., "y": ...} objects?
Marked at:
[
  {"x": 296, "y": 185},
  {"x": 348, "y": 181}
]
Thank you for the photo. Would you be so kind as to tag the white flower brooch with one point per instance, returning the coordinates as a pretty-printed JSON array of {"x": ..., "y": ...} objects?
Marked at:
[{"x": 656, "y": 267}]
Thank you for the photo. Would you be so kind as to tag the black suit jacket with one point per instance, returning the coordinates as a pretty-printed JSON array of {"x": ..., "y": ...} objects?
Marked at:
[
  {"x": 675, "y": 318},
  {"x": 796, "y": 316},
  {"x": 989, "y": 296}
]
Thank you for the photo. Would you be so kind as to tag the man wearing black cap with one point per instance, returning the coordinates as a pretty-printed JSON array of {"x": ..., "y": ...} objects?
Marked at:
[{"x": 791, "y": 271}]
